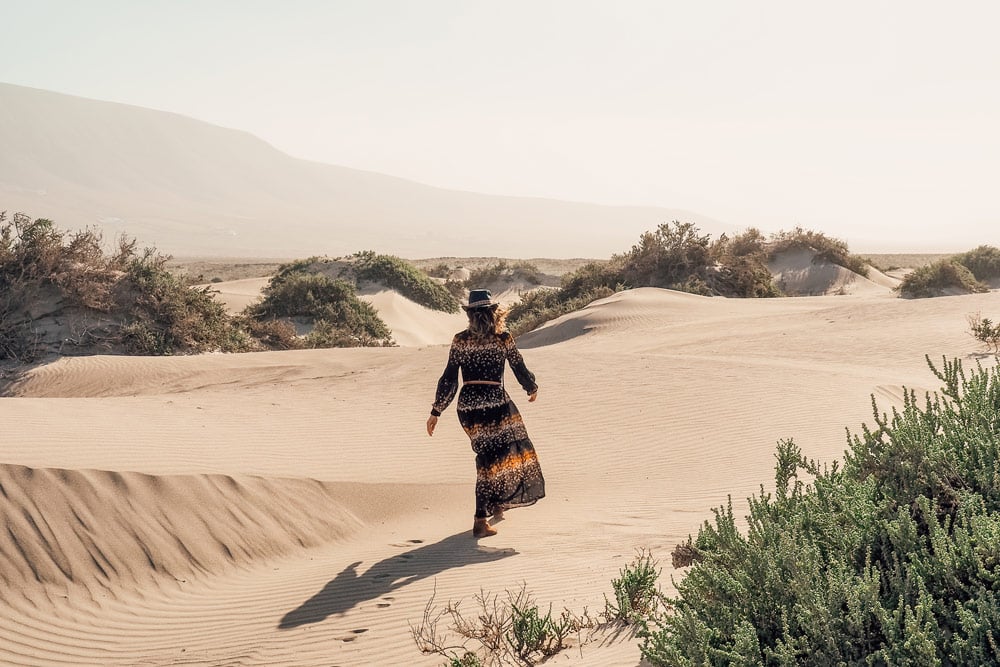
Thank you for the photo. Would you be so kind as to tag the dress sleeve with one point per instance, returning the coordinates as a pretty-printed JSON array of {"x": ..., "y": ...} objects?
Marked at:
[
  {"x": 447, "y": 386},
  {"x": 525, "y": 377}
]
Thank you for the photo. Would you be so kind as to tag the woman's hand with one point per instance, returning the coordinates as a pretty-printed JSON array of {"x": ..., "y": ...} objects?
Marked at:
[
  {"x": 532, "y": 396},
  {"x": 432, "y": 421}
]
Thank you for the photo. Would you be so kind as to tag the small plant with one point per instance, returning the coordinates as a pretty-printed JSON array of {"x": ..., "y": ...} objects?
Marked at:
[
  {"x": 637, "y": 595},
  {"x": 985, "y": 331},
  {"x": 512, "y": 631}
]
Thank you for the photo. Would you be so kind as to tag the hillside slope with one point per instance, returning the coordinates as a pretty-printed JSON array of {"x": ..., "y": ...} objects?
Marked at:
[{"x": 192, "y": 188}]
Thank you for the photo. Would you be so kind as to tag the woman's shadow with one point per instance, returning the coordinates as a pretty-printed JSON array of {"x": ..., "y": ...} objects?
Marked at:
[{"x": 348, "y": 588}]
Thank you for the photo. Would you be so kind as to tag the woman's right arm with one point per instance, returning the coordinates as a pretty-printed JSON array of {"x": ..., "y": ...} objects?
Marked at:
[{"x": 447, "y": 386}]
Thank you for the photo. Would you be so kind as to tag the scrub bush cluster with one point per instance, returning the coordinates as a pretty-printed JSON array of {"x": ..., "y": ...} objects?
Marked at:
[
  {"x": 971, "y": 271},
  {"x": 892, "y": 558},
  {"x": 678, "y": 256}
]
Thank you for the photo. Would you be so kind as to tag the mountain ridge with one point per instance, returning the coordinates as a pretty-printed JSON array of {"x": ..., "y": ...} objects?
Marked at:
[{"x": 195, "y": 188}]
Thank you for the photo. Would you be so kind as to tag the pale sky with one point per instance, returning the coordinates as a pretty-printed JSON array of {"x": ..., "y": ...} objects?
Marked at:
[{"x": 876, "y": 122}]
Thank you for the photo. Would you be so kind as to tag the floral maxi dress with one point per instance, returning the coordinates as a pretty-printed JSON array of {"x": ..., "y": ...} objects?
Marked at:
[{"x": 507, "y": 471}]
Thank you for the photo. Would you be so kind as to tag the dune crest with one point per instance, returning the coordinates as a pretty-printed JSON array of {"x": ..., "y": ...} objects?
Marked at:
[{"x": 105, "y": 530}]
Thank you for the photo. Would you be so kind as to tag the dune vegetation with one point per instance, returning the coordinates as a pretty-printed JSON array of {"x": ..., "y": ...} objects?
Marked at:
[
  {"x": 399, "y": 275},
  {"x": 678, "y": 256},
  {"x": 330, "y": 308},
  {"x": 889, "y": 558},
  {"x": 967, "y": 272},
  {"x": 65, "y": 293}
]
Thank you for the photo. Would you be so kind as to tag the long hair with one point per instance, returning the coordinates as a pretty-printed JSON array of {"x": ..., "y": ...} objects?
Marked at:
[{"x": 488, "y": 321}]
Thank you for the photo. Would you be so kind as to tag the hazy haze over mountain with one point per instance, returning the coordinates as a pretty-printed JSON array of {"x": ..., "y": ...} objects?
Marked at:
[{"x": 191, "y": 188}]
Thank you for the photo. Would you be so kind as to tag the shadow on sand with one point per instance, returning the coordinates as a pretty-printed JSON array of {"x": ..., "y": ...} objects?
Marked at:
[{"x": 348, "y": 588}]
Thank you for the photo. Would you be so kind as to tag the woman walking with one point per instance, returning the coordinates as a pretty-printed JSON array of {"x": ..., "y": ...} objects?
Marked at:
[{"x": 507, "y": 470}]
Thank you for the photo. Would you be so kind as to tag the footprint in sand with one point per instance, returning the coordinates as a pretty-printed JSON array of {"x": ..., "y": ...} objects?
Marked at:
[{"x": 406, "y": 544}]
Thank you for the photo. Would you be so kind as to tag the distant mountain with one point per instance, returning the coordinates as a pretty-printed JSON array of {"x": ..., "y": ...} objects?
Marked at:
[{"x": 191, "y": 188}]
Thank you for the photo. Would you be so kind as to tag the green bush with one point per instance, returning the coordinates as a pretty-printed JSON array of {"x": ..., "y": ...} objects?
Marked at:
[
  {"x": 983, "y": 262},
  {"x": 666, "y": 257},
  {"x": 166, "y": 316},
  {"x": 637, "y": 594},
  {"x": 739, "y": 266},
  {"x": 938, "y": 278},
  {"x": 340, "y": 318},
  {"x": 892, "y": 558},
  {"x": 406, "y": 279}
]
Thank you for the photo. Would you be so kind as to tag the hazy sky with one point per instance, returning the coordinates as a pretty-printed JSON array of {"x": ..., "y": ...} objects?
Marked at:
[{"x": 865, "y": 120}]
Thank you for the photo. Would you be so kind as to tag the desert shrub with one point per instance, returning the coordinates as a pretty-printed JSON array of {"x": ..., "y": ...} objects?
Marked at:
[
  {"x": 593, "y": 277},
  {"x": 637, "y": 594},
  {"x": 985, "y": 331},
  {"x": 891, "y": 558},
  {"x": 127, "y": 298},
  {"x": 667, "y": 257},
  {"x": 675, "y": 256},
  {"x": 739, "y": 266},
  {"x": 339, "y": 317},
  {"x": 271, "y": 333},
  {"x": 938, "y": 278},
  {"x": 540, "y": 306},
  {"x": 439, "y": 270},
  {"x": 983, "y": 262},
  {"x": 302, "y": 294},
  {"x": 826, "y": 248},
  {"x": 509, "y": 631},
  {"x": 456, "y": 288},
  {"x": 504, "y": 271},
  {"x": 405, "y": 278},
  {"x": 165, "y": 316}
]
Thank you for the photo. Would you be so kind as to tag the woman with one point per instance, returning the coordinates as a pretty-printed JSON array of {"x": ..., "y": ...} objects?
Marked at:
[{"x": 507, "y": 470}]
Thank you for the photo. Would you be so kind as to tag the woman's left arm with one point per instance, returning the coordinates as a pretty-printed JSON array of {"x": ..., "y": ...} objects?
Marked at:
[{"x": 524, "y": 377}]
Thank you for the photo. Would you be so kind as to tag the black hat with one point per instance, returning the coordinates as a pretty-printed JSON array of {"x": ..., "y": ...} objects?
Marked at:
[{"x": 480, "y": 298}]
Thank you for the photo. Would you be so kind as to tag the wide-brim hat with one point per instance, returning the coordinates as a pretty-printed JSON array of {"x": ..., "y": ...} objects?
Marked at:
[{"x": 480, "y": 298}]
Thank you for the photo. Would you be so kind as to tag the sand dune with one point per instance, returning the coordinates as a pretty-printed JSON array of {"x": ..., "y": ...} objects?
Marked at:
[
  {"x": 311, "y": 518},
  {"x": 801, "y": 273},
  {"x": 106, "y": 531}
]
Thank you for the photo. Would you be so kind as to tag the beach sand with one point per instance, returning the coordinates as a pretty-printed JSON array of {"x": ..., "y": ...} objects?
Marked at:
[{"x": 288, "y": 508}]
